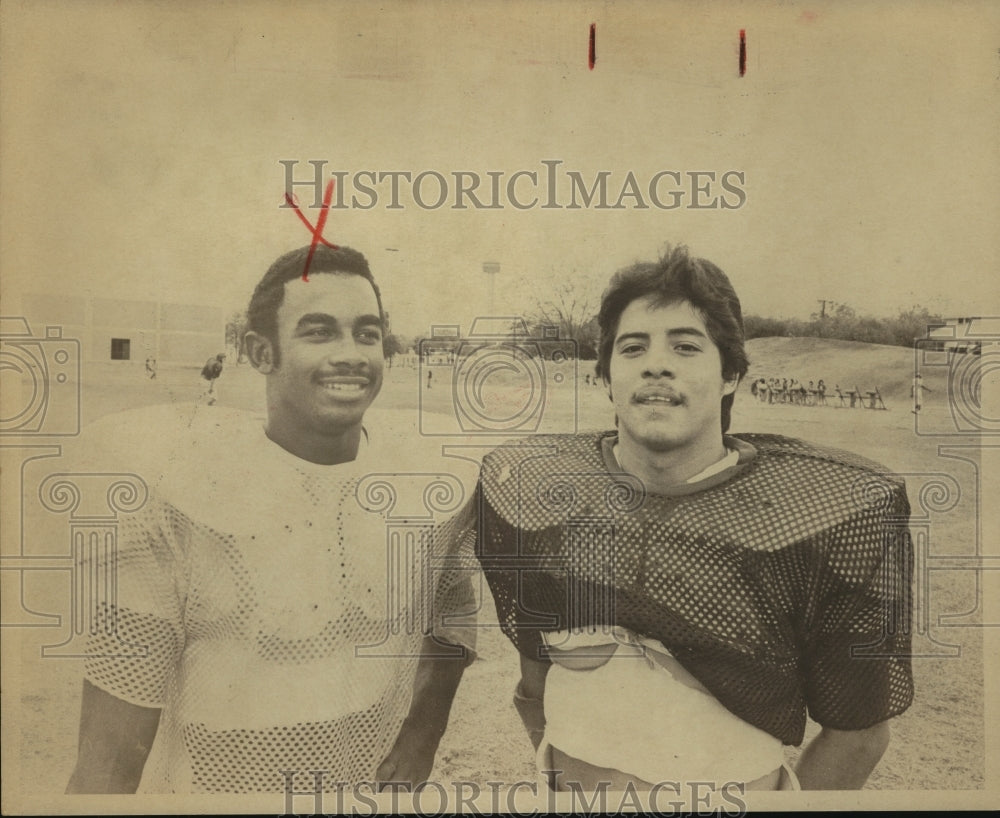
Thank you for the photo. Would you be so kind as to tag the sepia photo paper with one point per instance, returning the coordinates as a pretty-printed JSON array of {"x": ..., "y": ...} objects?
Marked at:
[{"x": 495, "y": 163}]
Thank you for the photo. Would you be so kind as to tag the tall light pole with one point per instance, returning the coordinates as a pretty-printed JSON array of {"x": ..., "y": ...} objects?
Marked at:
[{"x": 491, "y": 268}]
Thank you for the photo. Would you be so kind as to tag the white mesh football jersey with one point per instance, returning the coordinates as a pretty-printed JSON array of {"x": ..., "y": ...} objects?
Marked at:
[{"x": 274, "y": 608}]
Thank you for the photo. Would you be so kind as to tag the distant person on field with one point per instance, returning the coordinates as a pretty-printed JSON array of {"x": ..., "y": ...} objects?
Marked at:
[
  {"x": 210, "y": 372},
  {"x": 916, "y": 391},
  {"x": 877, "y": 396},
  {"x": 151, "y": 368}
]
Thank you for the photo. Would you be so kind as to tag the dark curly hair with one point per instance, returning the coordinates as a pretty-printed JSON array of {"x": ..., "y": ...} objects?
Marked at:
[
  {"x": 262, "y": 314},
  {"x": 679, "y": 277}
]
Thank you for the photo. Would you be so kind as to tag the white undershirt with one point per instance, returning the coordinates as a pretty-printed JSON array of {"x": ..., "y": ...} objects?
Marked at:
[
  {"x": 644, "y": 714},
  {"x": 730, "y": 458}
]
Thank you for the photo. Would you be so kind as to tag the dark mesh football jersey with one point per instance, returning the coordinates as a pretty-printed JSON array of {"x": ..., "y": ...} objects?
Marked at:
[{"x": 782, "y": 584}]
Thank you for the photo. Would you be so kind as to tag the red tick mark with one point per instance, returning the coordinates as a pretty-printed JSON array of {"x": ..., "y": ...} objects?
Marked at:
[
  {"x": 317, "y": 231},
  {"x": 592, "y": 52},
  {"x": 743, "y": 51}
]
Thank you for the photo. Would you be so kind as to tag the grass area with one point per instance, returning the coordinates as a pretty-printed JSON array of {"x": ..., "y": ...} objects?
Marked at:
[{"x": 848, "y": 363}]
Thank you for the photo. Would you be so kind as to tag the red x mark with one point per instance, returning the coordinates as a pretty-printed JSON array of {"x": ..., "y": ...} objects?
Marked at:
[{"x": 317, "y": 231}]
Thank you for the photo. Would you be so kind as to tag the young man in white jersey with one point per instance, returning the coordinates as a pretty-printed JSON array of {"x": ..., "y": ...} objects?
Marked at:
[
  {"x": 258, "y": 634},
  {"x": 681, "y": 597}
]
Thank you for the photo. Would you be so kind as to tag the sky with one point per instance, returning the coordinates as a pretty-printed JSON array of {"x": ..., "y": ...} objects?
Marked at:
[{"x": 141, "y": 146}]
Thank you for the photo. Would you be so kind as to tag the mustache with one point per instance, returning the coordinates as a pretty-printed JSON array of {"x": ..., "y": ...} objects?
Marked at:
[{"x": 658, "y": 391}]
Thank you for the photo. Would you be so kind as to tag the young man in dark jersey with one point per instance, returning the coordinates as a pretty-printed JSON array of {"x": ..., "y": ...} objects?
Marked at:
[{"x": 680, "y": 597}]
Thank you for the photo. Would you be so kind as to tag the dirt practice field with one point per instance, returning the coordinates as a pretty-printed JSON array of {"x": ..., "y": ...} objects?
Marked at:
[{"x": 938, "y": 744}]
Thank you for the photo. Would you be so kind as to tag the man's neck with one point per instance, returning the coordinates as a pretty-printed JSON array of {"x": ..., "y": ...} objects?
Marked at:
[
  {"x": 660, "y": 470},
  {"x": 325, "y": 450}
]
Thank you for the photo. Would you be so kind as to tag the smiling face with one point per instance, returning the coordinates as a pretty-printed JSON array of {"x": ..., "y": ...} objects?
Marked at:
[
  {"x": 666, "y": 384},
  {"x": 330, "y": 366}
]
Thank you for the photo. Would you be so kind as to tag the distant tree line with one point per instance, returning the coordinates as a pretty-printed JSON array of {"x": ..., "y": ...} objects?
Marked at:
[
  {"x": 574, "y": 323},
  {"x": 841, "y": 322},
  {"x": 573, "y": 316},
  {"x": 572, "y": 320}
]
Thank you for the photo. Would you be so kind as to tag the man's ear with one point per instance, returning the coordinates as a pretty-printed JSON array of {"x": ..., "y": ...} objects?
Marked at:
[
  {"x": 728, "y": 387},
  {"x": 260, "y": 351}
]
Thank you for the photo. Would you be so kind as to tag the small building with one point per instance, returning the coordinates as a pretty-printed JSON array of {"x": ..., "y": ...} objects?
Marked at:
[{"x": 111, "y": 329}]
